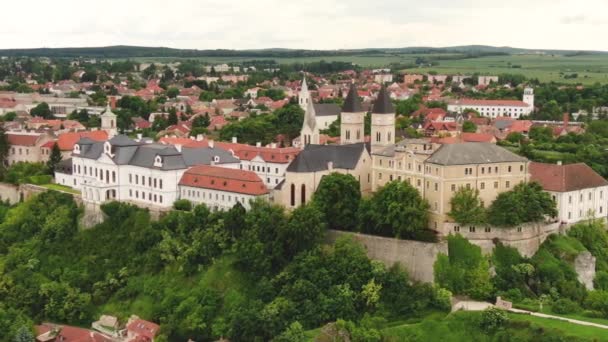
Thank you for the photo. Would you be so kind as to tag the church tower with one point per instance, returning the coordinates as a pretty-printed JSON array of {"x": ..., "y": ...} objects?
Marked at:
[
  {"x": 310, "y": 131},
  {"x": 383, "y": 122},
  {"x": 529, "y": 97},
  {"x": 304, "y": 95},
  {"x": 352, "y": 119},
  {"x": 108, "y": 122}
]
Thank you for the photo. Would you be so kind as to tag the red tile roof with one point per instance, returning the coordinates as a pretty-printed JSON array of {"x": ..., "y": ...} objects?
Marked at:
[
  {"x": 22, "y": 139},
  {"x": 564, "y": 178},
  {"x": 66, "y": 141},
  {"x": 73, "y": 334},
  {"x": 279, "y": 155},
  {"x": 223, "y": 179},
  {"x": 477, "y": 137},
  {"x": 143, "y": 328}
]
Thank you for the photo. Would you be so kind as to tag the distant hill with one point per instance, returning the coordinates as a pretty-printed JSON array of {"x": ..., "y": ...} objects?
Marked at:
[{"x": 123, "y": 51}]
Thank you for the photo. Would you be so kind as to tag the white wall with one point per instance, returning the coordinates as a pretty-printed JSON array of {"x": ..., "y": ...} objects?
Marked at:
[
  {"x": 215, "y": 199},
  {"x": 581, "y": 205}
]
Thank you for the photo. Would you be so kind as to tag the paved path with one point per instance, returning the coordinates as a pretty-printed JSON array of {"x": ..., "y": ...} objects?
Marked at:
[{"x": 469, "y": 305}]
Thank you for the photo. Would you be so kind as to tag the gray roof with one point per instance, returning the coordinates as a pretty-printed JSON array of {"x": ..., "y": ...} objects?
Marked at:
[
  {"x": 472, "y": 153},
  {"x": 503, "y": 124},
  {"x": 129, "y": 152},
  {"x": 352, "y": 103},
  {"x": 383, "y": 104},
  {"x": 316, "y": 157},
  {"x": 326, "y": 109}
]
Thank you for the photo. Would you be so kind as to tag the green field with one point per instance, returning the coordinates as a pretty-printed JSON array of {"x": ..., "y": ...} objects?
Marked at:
[
  {"x": 590, "y": 68},
  {"x": 59, "y": 187}
]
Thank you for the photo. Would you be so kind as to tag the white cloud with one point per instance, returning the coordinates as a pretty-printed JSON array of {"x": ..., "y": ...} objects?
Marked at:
[{"x": 308, "y": 24}]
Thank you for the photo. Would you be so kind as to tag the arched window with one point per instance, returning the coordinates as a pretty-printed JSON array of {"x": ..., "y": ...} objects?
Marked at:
[
  {"x": 303, "y": 194},
  {"x": 378, "y": 136},
  {"x": 293, "y": 195},
  {"x": 358, "y": 134}
]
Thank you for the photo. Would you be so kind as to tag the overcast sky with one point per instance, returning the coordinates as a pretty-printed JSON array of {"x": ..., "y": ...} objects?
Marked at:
[{"x": 306, "y": 24}]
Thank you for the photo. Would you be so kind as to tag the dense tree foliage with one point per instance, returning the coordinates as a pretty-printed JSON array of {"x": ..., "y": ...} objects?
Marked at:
[
  {"x": 527, "y": 202},
  {"x": 338, "y": 197},
  {"x": 467, "y": 208},
  {"x": 395, "y": 210},
  {"x": 265, "y": 128}
]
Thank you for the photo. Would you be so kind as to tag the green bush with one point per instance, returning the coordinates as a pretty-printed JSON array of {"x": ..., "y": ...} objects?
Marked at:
[
  {"x": 565, "y": 306},
  {"x": 182, "y": 204},
  {"x": 493, "y": 319},
  {"x": 40, "y": 179}
]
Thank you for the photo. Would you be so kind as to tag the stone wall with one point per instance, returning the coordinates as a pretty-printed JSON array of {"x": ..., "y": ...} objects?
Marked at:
[
  {"x": 526, "y": 238},
  {"x": 9, "y": 192},
  {"x": 416, "y": 257},
  {"x": 584, "y": 265}
]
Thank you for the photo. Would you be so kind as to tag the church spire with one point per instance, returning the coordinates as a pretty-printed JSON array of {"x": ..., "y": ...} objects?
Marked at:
[
  {"x": 310, "y": 131},
  {"x": 304, "y": 95},
  {"x": 352, "y": 103}
]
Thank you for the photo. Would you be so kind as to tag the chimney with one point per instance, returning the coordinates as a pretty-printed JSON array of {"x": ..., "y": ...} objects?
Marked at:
[
  {"x": 258, "y": 144},
  {"x": 112, "y": 102},
  {"x": 234, "y": 140},
  {"x": 566, "y": 120},
  {"x": 211, "y": 144},
  {"x": 273, "y": 145},
  {"x": 178, "y": 147},
  {"x": 559, "y": 162},
  {"x": 199, "y": 137}
]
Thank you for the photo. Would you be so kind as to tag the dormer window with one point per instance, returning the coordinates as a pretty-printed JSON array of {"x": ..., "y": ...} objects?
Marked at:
[
  {"x": 107, "y": 149},
  {"x": 76, "y": 149},
  {"x": 158, "y": 161},
  {"x": 216, "y": 159}
]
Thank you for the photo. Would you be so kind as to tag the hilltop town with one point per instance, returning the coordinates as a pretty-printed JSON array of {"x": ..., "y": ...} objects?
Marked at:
[{"x": 486, "y": 186}]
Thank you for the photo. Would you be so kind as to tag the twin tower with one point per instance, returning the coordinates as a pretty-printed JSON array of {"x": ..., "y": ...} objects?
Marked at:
[{"x": 352, "y": 120}]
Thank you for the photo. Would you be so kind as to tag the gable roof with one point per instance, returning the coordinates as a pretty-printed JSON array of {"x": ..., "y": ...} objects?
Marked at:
[
  {"x": 352, "y": 103},
  {"x": 564, "y": 178},
  {"x": 473, "y": 153},
  {"x": 316, "y": 157},
  {"x": 22, "y": 139},
  {"x": 327, "y": 109},
  {"x": 66, "y": 141},
  {"x": 383, "y": 104},
  {"x": 223, "y": 179}
]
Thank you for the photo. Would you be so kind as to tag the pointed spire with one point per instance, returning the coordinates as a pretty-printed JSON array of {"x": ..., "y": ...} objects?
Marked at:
[
  {"x": 304, "y": 87},
  {"x": 108, "y": 111},
  {"x": 383, "y": 104},
  {"x": 310, "y": 115},
  {"x": 352, "y": 103}
]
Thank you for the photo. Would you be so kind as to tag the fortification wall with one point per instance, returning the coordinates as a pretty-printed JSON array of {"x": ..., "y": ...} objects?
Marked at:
[
  {"x": 416, "y": 257},
  {"x": 527, "y": 238},
  {"x": 9, "y": 192}
]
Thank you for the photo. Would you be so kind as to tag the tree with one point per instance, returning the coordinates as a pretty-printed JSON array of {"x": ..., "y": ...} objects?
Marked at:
[
  {"x": 598, "y": 301},
  {"x": 467, "y": 207},
  {"x": 24, "y": 334},
  {"x": 54, "y": 158},
  {"x": 541, "y": 134},
  {"x": 527, "y": 202},
  {"x": 293, "y": 333},
  {"x": 42, "y": 110},
  {"x": 4, "y": 148},
  {"x": 396, "y": 210},
  {"x": 338, "y": 197},
  {"x": 515, "y": 137},
  {"x": 469, "y": 127},
  {"x": 172, "y": 118},
  {"x": 10, "y": 116},
  {"x": 493, "y": 319},
  {"x": 201, "y": 121},
  {"x": 172, "y": 92},
  {"x": 304, "y": 230}
]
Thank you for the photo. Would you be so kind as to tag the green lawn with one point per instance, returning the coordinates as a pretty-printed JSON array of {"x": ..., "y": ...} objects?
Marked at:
[
  {"x": 59, "y": 187},
  {"x": 569, "y": 329}
]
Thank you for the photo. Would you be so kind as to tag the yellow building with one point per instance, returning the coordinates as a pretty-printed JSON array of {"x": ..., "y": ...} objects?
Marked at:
[{"x": 438, "y": 171}]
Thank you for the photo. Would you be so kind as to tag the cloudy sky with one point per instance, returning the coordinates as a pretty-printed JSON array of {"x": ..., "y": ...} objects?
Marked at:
[{"x": 307, "y": 24}]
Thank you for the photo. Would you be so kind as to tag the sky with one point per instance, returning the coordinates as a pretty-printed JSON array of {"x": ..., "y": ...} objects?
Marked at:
[{"x": 306, "y": 24}]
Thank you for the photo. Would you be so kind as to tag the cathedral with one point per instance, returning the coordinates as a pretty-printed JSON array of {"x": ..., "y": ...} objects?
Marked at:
[{"x": 353, "y": 155}]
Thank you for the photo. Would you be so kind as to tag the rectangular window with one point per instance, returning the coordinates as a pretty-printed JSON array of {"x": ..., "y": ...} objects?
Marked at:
[
  {"x": 487, "y": 229},
  {"x": 482, "y": 185},
  {"x": 495, "y": 185},
  {"x": 453, "y": 187},
  {"x": 507, "y": 184},
  {"x": 472, "y": 229},
  {"x": 436, "y": 186},
  {"x": 509, "y": 168},
  {"x": 160, "y": 183}
]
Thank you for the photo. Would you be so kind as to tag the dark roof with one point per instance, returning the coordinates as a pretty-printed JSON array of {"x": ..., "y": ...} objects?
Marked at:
[
  {"x": 352, "y": 103},
  {"x": 383, "y": 104},
  {"x": 326, "y": 109},
  {"x": 565, "y": 178},
  {"x": 122, "y": 140},
  {"x": 472, "y": 153},
  {"x": 316, "y": 157},
  {"x": 64, "y": 166}
]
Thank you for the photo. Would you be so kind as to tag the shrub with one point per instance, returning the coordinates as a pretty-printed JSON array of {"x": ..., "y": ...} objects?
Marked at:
[
  {"x": 493, "y": 319},
  {"x": 565, "y": 306},
  {"x": 182, "y": 204}
]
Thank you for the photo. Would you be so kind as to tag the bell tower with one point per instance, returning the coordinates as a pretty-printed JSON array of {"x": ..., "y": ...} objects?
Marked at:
[
  {"x": 108, "y": 122},
  {"x": 383, "y": 122},
  {"x": 352, "y": 119},
  {"x": 304, "y": 95}
]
